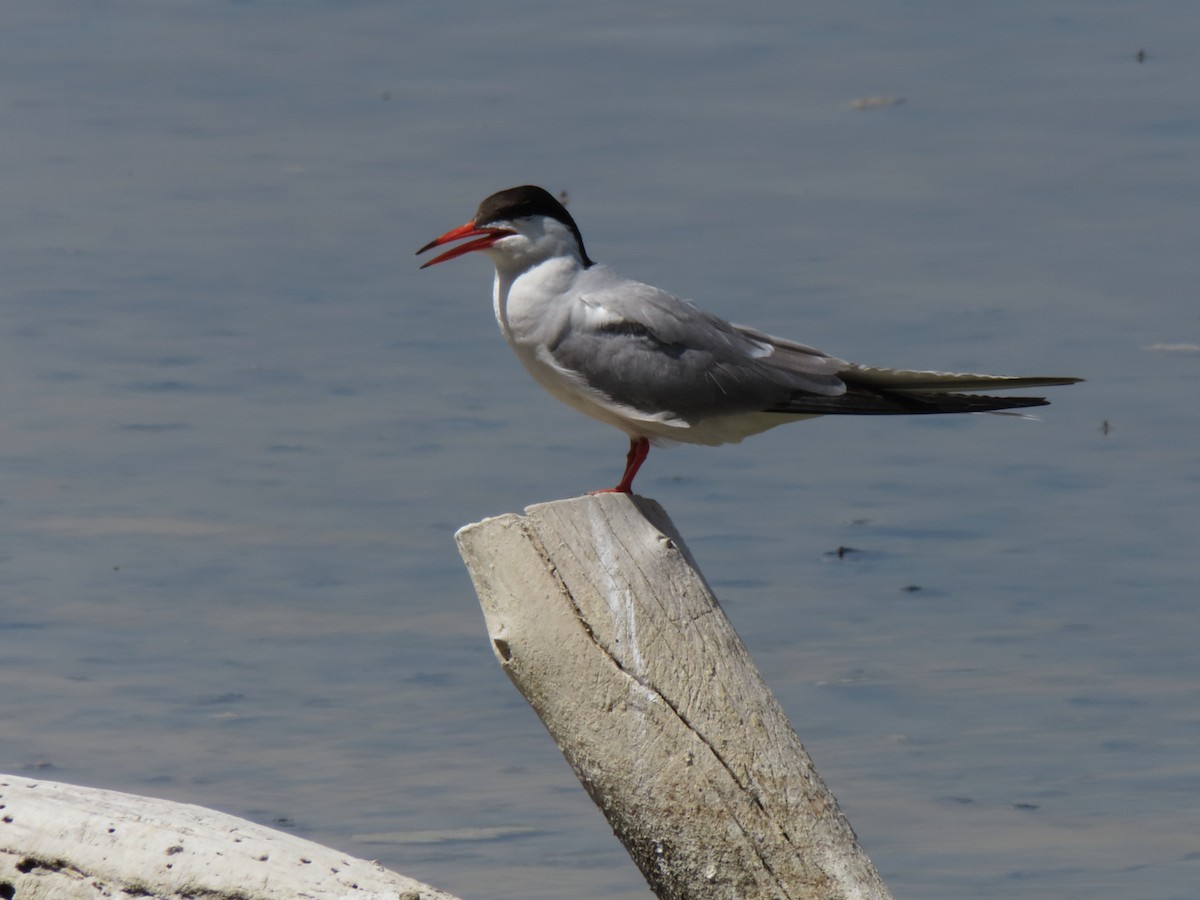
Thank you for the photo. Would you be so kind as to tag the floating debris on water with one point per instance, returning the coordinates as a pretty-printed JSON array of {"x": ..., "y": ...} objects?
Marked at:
[
  {"x": 1174, "y": 348},
  {"x": 876, "y": 102}
]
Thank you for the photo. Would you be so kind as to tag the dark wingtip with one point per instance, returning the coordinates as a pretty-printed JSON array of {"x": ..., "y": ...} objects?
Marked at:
[{"x": 895, "y": 403}]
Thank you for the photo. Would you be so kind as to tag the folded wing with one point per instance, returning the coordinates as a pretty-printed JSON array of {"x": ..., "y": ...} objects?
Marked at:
[{"x": 647, "y": 350}]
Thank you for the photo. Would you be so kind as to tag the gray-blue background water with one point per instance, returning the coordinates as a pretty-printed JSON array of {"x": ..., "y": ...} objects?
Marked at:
[{"x": 239, "y": 427}]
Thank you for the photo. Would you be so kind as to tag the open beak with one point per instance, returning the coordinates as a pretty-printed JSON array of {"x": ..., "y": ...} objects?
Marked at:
[{"x": 484, "y": 238}]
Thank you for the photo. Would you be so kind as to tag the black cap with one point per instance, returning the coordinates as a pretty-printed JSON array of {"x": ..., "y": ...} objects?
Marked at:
[{"x": 523, "y": 202}]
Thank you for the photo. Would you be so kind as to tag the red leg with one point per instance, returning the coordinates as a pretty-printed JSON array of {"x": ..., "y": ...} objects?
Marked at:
[{"x": 639, "y": 449}]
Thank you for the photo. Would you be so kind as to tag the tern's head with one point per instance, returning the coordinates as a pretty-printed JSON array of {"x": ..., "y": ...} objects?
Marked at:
[{"x": 519, "y": 228}]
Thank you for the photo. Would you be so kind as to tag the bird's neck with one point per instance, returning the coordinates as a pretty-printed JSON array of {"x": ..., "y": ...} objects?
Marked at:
[
  {"x": 500, "y": 290},
  {"x": 522, "y": 296}
]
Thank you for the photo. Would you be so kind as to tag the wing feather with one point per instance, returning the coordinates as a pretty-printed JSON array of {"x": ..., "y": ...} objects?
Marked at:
[
  {"x": 643, "y": 349},
  {"x": 647, "y": 349},
  {"x": 910, "y": 380}
]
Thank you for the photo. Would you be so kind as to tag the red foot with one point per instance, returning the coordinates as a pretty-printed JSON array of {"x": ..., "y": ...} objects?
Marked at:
[{"x": 639, "y": 449}]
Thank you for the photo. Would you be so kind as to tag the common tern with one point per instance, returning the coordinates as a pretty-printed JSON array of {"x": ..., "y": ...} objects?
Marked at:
[{"x": 659, "y": 368}]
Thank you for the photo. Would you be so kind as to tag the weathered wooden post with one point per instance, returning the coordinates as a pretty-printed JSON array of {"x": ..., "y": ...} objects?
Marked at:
[
  {"x": 66, "y": 842},
  {"x": 602, "y": 620}
]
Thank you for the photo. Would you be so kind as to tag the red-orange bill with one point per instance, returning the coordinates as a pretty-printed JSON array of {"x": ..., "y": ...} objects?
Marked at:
[{"x": 484, "y": 238}]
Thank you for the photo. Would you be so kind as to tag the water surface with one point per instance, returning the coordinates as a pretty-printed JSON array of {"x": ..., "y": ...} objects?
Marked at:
[{"x": 239, "y": 427}]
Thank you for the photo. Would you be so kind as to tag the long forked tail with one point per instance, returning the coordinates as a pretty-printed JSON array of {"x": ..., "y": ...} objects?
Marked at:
[{"x": 880, "y": 392}]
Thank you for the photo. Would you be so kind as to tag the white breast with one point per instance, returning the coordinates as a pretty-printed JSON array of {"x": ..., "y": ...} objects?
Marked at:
[{"x": 532, "y": 309}]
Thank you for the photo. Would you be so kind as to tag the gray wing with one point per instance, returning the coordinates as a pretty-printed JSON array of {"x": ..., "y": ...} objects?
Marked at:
[{"x": 649, "y": 350}]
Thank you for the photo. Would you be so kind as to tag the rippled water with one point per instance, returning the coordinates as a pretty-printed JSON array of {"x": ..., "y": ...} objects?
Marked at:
[{"x": 239, "y": 428}]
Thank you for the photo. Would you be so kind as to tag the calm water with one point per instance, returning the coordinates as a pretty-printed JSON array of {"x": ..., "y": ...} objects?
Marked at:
[{"x": 239, "y": 428}]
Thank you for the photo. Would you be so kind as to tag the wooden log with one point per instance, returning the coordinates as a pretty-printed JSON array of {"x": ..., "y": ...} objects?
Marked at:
[
  {"x": 600, "y": 617},
  {"x": 65, "y": 842}
]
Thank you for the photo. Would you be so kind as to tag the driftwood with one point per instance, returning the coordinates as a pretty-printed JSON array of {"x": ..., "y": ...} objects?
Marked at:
[
  {"x": 65, "y": 842},
  {"x": 598, "y": 614}
]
